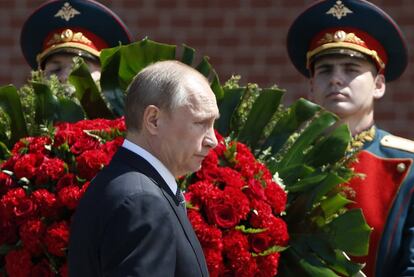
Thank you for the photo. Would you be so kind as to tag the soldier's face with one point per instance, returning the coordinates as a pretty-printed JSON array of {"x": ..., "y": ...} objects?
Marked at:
[
  {"x": 346, "y": 86},
  {"x": 61, "y": 66}
]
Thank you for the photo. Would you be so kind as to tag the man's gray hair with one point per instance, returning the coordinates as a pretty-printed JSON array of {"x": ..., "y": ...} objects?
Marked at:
[{"x": 160, "y": 84}]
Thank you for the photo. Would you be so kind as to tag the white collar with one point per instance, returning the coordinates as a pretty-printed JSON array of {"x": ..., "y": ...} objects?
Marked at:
[{"x": 157, "y": 164}]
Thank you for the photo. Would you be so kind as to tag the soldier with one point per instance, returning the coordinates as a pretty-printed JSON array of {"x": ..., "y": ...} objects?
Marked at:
[
  {"x": 349, "y": 49},
  {"x": 59, "y": 30}
]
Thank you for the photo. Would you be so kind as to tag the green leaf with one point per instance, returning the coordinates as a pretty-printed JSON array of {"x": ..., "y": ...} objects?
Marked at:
[
  {"x": 331, "y": 181},
  {"x": 296, "y": 153},
  {"x": 333, "y": 204},
  {"x": 122, "y": 63},
  {"x": 227, "y": 106},
  {"x": 298, "y": 113},
  {"x": 270, "y": 250},
  {"x": 306, "y": 183},
  {"x": 350, "y": 233},
  {"x": 188, "y": 55},
  {"x": 204, "y": 67},
  {"x": 46, "y": 104},
  {"x": 216, "y": 86},
  {"x": 89, "y": 95},
  {"x": 70, "y": 111},
  {"x": 259, "y": 116},
  {"x": 334, "y": 259},
  {"x": 294, "y": 173},
  {"x": 333, "y": 147},
  {"x": 305, "y": 261},
  {"x": 4, "y": 151},
  {"x": 11, "y": 105},
  {"x": 245, "y": 230}
]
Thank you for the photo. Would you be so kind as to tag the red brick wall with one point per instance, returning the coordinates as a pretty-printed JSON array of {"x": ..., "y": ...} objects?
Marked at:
[{"x": 245, "y": 37}]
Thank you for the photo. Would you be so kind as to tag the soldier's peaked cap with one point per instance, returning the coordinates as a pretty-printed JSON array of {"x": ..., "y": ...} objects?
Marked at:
[{"x": 84, "y": 25}]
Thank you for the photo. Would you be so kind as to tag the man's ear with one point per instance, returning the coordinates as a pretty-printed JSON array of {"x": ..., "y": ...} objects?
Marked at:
[
  {"x": 150, "y": 120},
  {"x": 379, "y": 89}
]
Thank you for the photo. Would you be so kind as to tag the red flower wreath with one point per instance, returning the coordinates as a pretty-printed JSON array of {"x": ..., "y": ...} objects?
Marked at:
[
  {"x": 235, "y": 204},
  {"x": 40, "y": 186},
  {"x": 234, "y": 207}
]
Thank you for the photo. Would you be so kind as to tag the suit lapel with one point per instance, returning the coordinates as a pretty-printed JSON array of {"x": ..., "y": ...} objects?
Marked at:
[{"x": 141, "y": 165}]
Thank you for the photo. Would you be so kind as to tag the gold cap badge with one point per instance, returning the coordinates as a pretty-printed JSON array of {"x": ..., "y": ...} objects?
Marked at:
[
  {"x": 339, "y": 10},
  {"x": 67, "y": 12}
]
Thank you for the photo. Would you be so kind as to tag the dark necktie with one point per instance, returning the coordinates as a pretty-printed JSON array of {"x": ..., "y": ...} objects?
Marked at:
[{"x": 180, "y": 198}]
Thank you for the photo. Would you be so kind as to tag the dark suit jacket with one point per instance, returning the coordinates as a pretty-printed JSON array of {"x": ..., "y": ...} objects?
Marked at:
[{"x": 129, "y": 223}]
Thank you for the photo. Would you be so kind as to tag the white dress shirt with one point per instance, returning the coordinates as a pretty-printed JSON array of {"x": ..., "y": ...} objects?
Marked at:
[{"x": 157, "y": 164}]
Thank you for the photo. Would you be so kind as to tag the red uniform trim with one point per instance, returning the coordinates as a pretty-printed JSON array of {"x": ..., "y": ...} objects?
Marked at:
[{"x": 375, "y": 195}]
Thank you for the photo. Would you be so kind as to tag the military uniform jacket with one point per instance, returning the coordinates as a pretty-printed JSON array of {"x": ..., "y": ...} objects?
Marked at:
[
  {"x": 386, "y": 198},
  {"x": 129, "y": 223}
]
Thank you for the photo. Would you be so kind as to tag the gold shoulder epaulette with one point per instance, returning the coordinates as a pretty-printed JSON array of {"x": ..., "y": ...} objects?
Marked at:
[{"x": 400, "y": 143}]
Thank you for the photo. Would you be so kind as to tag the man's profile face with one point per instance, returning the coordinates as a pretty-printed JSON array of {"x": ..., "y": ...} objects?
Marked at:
[
  {"x": 344, "y": 85},
  {"x": 61, "y": 66},
  {"x": 187, "y": 133}
]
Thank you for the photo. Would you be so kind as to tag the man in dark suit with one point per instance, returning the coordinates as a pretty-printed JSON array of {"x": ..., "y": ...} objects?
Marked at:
[{"x": 130, "y": 222}]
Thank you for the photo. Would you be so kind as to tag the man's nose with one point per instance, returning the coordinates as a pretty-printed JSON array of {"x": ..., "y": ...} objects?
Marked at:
[
  {"x": 337, "y": 76},
  {"x": 210, "y": 140}
]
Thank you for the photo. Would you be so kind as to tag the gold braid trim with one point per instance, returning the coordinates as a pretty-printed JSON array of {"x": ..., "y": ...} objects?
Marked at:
[{"x": 360, "y": 139}]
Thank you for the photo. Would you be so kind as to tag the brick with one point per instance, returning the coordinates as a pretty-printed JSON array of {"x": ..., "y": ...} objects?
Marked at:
[
  {"x": 147, "y": 22},
  {"x": 166, "y": 4},
  {"x": 213, "y": 22},
  {"x": 228, "y": 41},
  {"x": 245, "y": 22},
  {"x": 181, "y": 22}
]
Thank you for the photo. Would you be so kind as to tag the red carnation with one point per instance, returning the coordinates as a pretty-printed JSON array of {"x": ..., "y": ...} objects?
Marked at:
[
  {"x": 214, "y": 261},
  {"x": 50, "y": 170},
  {"x": 8, "y": 231},
  {"x": 9, "y": 164},
  {"x": 66, "y": 133},
  {"x": 110, "y": 147},
  {"x": 209, "y": 236},
  {"x": 276, "y": 197},
  {"x": 242, "y": 263},
  {"x": 255, "y": 190},
  {"x": 90, "y": 162},
  {"x": 277, "y": 228},
  {"x": 39, "y": 145},
  {"x": 27, "y": 165},
  {"x": 268, "y": 265},
  {"x": 209, "y": 170},
  {"x": 32, "y": 145},
  {"x": 262, "y": 212},
  {"x": 17, "y": 205},
  {"x": 69, "y": 179},
  {"x": 47, "y": 202},
  {"x": 42, "y": 269},
  {"x": 31, "y": 233},
  {"x": 234, "y": 240},
  {"x": 202, "y": 191},
  {"x": 260, "y": 242},
  {"x": 57, "y": 237},
  {"x": 63, "y": 270},
  {"x": 18, "y": 263},
  {"x": 223, "y": 213},
  {"x": 231, "y": 177},
  {"x": 6, "y": 182},
  {"x": 69, "y": 196},
  {"x": 84, "y": 143}
]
